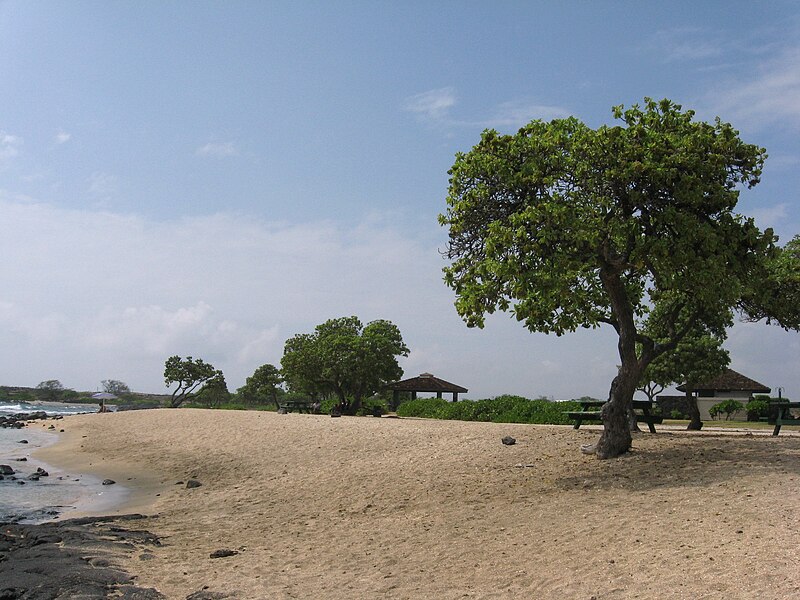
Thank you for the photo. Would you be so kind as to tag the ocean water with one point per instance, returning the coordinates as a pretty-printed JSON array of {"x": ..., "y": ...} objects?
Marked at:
[{"x": 58, "y": 494}]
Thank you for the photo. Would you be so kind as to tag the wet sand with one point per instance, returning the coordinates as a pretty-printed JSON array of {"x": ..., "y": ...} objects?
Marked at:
[{"x": 316, "y": 507}]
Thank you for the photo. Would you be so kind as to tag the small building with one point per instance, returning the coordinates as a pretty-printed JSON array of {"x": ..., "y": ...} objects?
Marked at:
[
  {"x": 726, "y": 386},
  {"x": 425, "y": 382}
]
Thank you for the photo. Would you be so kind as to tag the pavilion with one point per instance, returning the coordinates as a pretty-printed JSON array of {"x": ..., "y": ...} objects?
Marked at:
[{"x": 424, "y": 383}]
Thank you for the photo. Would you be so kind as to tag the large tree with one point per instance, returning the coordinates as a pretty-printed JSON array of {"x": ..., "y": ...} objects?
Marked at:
[
  {"x": 346, "y": 358},
  {"x": 190, "y": 375},
  {"x": 569, "y": 226}
]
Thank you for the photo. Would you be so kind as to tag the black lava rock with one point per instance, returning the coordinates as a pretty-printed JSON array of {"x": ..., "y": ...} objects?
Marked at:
[{"x": 223, "y": 553}]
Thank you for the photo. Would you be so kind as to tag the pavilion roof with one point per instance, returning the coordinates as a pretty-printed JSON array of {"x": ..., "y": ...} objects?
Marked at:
[
  {"x": 728, "y": 381},
  {"x": 426, "y": 383}
]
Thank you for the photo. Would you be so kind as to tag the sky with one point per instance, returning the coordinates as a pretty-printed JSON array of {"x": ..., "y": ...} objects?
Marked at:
[{"x": 209, "y": 179}]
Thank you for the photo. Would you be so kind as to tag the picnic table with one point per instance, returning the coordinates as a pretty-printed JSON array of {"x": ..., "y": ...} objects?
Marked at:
[
  {"x": 784, "y": 415},
  {"x": 296, "y": 405},
  {"x": 590, "y": 411}
]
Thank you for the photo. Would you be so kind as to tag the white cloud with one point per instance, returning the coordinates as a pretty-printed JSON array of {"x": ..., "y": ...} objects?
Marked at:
[
  {"x": 517, "y": 114},
  {"x": 62, "y": 137},
  {"x": 218, "y": 149},
  {"x": 769, "y": 216},
  {"x": 687, "y": 44},
  {"x": 104, "y": 291},
  {"x": 90, "y": 295},
  {"x": 768, "y": 95},
  {"x": 102, "y": 186},
  {"x": 9, "y": 145},
  {"x": 433, "y": 104},
  {"x": 783, "y": 161}
]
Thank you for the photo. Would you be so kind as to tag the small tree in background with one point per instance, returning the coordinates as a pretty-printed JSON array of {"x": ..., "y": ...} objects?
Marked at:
[
  {"x": 116, "y": 387},
  {"x": 50, "y": 390},
  {"x": 697, "y": 358},
  {"x": 190, "y": 375},
  {"x": 727, "y": 407},
  {"x": 214, "y": 393},
  {"x": 263, "y": 385}
]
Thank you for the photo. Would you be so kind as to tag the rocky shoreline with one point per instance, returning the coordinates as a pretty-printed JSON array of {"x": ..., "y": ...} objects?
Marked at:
[
  {"x": 74, "y": 558},
  {"x": 20, "y": 420},
  {"x": 13, "y": 471}
]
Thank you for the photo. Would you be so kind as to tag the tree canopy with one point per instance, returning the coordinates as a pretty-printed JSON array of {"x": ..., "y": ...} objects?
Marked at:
[
  {"x": 116, "y": 387},
  {"x": 698, "y": 357},
  {"x": 214, "y": 392},
  {"x": 190, "y": 375},
  {"x": 51, "y": 390},
  {"x": 631, "y": 226},
  {"x": 345, "y": 358},
  {"x": 264, "y": 383}
]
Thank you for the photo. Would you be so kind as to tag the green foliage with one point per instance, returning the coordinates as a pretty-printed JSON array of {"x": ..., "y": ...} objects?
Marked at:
[
  {"x": 538, "y": 218},
  {"x": 50, "y": 390},
  {"x": 676, "y": 414},
  {"x": 698, "y": 357},
  {"x": 777, "y": 295},
  {"x": 373, "y": 405},
  {"x": 190, "y": 375},
  {"x": 345, "y": 358},
  {"x": 757, "y": 407},
  {"x": 426, "y": 408},
  {"x": 502, "y": 409},
  {"x": 727, "y": 407},
  {"x": 214, "y": 392},
  {"x": 240, "y": 406},
  {"x": 263, "y": 386}
]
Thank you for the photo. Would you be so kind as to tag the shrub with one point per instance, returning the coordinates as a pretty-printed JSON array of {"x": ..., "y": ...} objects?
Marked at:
[
  {"x": 502, "y": 409},
  {"x": 757, "y": 407},
  {"x": 676, "y": 414},
  {"x": 428, "y": 408},
  {"x": 728, "y": 407}
]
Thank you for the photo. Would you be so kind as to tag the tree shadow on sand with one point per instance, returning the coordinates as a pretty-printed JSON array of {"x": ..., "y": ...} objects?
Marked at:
[{"x": 702, "y": 460}]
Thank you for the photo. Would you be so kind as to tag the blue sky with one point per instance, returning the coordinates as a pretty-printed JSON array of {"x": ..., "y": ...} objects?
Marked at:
[{"x": 211, "y": 178}]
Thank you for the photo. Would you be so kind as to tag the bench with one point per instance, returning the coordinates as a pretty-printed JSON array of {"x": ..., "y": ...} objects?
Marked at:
[
  {"x": 296, "y": 405},
  {"x": 784, "y": 415},
  {"x": 589, "y": 412}
]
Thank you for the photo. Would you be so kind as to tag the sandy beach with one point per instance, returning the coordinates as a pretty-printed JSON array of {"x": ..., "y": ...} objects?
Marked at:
[{"x": 317, "y": 507}]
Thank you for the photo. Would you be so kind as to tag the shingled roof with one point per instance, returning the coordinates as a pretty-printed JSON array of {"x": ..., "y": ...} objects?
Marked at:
[
  {"x": 426, "y": 383},
  {"x": 729, "y": 381}
]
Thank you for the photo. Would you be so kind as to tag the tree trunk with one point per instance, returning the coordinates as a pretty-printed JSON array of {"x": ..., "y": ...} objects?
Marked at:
[
  {"x": 616, "y": 437},
  {"x": 355, "y": 404},
  {"x": 695, "y": 424}
]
